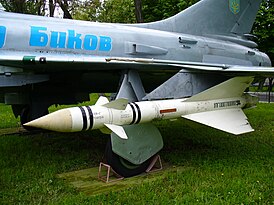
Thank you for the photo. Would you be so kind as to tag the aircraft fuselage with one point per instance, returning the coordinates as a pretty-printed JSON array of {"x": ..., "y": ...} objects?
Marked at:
[
  {"x": 31, "y": 34},
  {"x": 47, "y": 61}
]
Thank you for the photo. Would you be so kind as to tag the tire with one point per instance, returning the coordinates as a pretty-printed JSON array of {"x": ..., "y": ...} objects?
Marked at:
[
  {"x": 122, "y": 166},
  {"x": 25, "y": 117}
]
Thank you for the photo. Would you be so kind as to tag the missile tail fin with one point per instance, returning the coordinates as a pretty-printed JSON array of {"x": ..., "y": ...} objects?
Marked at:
[
  {"x": 233, "y": 87},
  {"x": 102, "y": 101},
  {"x": 118, "y": 130},
  {"x": 232, "y": 121},
  {"x": 119, "y": 104}
]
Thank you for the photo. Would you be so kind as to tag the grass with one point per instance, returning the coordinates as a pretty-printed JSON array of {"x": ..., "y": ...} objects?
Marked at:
[
  {"x": 256, "y": 89},
  {"x": 218, "y": 168},
  {"x": 7, "y": 118}
]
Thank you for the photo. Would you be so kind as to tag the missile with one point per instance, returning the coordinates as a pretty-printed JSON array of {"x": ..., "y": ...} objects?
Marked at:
[{"x": 219, "y": 107}]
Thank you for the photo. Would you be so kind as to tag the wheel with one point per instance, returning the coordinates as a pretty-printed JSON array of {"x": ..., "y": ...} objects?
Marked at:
[
  {"x": 122, "y": 166},
  {"x": 26, "y": 116}
]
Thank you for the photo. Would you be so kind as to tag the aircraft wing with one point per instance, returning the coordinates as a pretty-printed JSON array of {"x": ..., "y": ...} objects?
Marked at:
[
  {"x": 202, "y": 67},
  {"x": 62, "y": 62},
  {"x": 57, "y": 61}
]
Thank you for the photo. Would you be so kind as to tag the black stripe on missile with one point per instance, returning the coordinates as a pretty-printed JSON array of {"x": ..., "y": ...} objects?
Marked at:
[
  {"x": 90, "y": 117},
  {"x": 139, "y": 113},
  {"x": 134, "y": 114},
  {"x": 85, "y": 121}
]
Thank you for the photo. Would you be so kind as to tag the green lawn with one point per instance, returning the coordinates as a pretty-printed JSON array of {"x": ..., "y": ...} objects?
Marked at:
[{"x": 218, "y": 168}]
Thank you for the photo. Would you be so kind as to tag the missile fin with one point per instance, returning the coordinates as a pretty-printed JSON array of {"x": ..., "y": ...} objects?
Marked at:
[
  {"x": 106, "y": 130},
  {"x": 233, "y": 87},
  {"x": 118, "y": 130},
  {"x": 102, "y": 101},
  {"x": 119, "y": 104},
  {"x": 232, "y": 121}
]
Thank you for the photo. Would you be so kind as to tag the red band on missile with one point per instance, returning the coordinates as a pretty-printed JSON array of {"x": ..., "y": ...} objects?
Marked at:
[{"x": 168, "y": 111}]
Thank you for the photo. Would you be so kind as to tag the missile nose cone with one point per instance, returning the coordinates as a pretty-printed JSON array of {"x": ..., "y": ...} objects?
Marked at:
[{"x": 59, "y": 121}]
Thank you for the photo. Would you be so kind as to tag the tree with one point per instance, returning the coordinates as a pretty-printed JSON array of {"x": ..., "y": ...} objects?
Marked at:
[
  {"x": 62, "y": 3},
  {"x": 138, "y": 11},
  {"x": 24, "y": 6},
  {"x": 264, "y": 28},
  {"x": 162, "y": 9},
  {"x": 86, "y": 10},
  {"x": 117, "y": 11},
  {"x": 37, "y": 7},
  {"x": 51, "y": 7},
  {"x": 64, "y": 6},
  {"x": 121, "y": 11}
]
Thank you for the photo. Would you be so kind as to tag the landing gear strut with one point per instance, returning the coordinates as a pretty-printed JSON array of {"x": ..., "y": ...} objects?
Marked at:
[{"x": 133, "y": 156}]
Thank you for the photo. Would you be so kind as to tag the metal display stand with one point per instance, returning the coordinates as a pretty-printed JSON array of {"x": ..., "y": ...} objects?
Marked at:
[
  {"x": 107, "y": 174},
  {"x": 155, "y": 165}
]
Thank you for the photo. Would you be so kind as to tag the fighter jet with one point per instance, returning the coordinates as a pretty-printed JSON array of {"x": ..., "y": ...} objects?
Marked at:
[{"x": 45, "y": 61}]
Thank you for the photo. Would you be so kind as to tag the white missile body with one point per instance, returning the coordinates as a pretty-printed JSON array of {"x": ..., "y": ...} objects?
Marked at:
[{"x": 212, "y": 107}]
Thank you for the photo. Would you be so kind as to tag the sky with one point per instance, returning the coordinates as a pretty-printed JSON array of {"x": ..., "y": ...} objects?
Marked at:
[{"x": 58, "y": 13}]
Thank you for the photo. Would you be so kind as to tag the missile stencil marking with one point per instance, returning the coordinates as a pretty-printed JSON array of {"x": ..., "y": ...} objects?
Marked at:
[{"x": 226, "y": 104}]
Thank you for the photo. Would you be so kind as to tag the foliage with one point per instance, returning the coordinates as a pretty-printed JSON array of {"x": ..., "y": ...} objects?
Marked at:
[
  {"x": 23, "y": 6},
  {"x": 39, "y": 7},
  {"x": 117, "y": 11},
  {"x": 162, "y": 9},
  {"x": 122, "y": 11},
  {"x": 86, "y": 10},
  {"x": 264, "y": 28}
]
